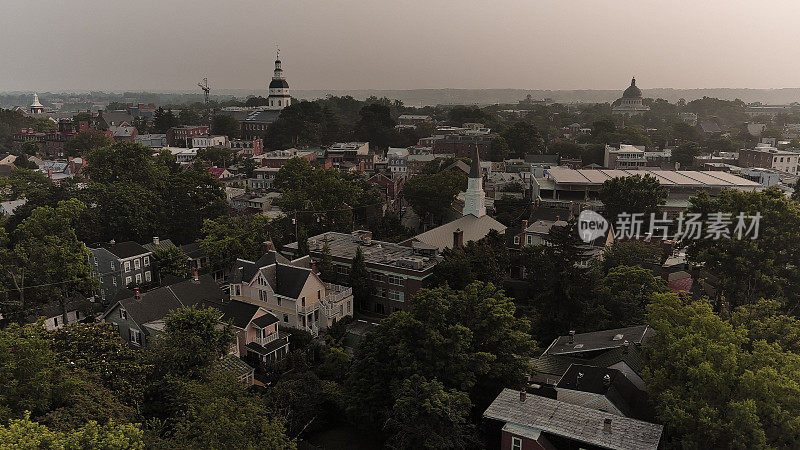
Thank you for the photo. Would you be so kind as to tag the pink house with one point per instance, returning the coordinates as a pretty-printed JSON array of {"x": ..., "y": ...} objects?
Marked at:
[{"x": 256, "y": 329}]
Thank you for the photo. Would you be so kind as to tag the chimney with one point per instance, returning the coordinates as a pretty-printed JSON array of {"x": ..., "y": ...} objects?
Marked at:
[
  {"x": 571, "y": 336},
  {"x": 625, "y": 346},
  {"x": 524, "y": 224},
  {"x": 270, "y": 246},
  {"x": 458, "y": 239},
  {"x": 607, "y": 425},
  {"x": 313, "y": 266},
  {"x": 607, "y": 380},
  {"x": 195, "y": 277},
  {"x": 156, "y": 240},
  {"x": 523, "y": 395},
  {"x": 113, "y": 242},
  {"x": 136, "y": 293}
]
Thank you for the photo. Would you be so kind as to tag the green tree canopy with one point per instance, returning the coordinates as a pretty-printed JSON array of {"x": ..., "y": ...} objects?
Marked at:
[{"x": 632, "y": 195}]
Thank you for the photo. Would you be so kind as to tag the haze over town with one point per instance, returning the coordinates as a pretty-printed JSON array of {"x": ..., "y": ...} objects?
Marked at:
[{"x": 156, "y": 45}]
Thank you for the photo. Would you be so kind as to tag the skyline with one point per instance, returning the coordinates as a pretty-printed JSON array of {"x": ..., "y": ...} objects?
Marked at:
[{"x": 115, "y": 46}]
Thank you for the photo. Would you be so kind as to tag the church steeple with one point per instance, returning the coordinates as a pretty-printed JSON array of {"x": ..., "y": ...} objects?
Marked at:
[{"x": 475, "y": 198}]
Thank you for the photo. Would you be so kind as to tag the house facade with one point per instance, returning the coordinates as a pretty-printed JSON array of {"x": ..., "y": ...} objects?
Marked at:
[
  {"x": 291, "y": 290},
  {"x": 118, "y": 266}
]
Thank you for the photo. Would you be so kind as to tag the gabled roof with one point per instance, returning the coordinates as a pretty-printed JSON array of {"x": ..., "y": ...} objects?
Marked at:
[
  {"x": 290, "y": 280},
  {"x": 574, "y": 422},
  {"x": 156, "y": 304},
  {"x": 127, "y": 249},
  {"x": 238, "y": 313},
  {"x": 611, "y": 383},
  {"x": 474, "y": 228},
  {"x": 265, "y": 320},
  {"x": 162, "y": 243},
  {"x": 193, "y": 250}
]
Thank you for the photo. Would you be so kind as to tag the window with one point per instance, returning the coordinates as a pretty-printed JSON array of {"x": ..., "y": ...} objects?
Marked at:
[
  {"x": 376, "y": 276},
  {"x": 123, "y": 314},
  {"x": 114, "y": 280},
  {"x": 146, "y": 261},
  {"x": 529, "y": 239},
  {"x": 516, "y": 443},
  {"x": 303, "y": 301},
  {"x": 316, "y": 316},
  {"x": 319, "y": 294},
  {"x": 148, "y": 277},
  {"x": 127, "y": 266},
  {"x": 395, "y": 280},
  {"x": 286, "y": 318},
  {"x": 516, "y": 240},
  {"x": 55, "y": 321},
  {"x": 348, "y": 307},
  {"x": 135, "y": 336},
  {"x": 344, "y": 270},
  {"x": 137, "y": 263},
  {"x": 380, "y": 292},
  {"x": 112, "y": 265},
  {"x": 396, "y": 296},
  {"x": 138, "y": 278},
  {"x": 279, "y": 301},
  {"x": 128, "y": 280}
]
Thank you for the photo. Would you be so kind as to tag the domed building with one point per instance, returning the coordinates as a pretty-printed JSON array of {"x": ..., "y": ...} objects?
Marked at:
[
  {"x": 279, "y": 96},
  {"x": 36, "y": 107},
  {"x": 631, "y": 101}
]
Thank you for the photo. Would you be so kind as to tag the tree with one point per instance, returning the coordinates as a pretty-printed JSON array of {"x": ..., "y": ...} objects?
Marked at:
[
  {"x": 485, "y": 260},
  {"x": 390, "y": 228},
  {"x": 719, "y": 383},
  {"x": 24, "y": 433},
  {"x": 631, "y": 253},
  {"x": 171, "y": 261},
  {"x": 426, "y": 415},
  {"x": 632, "y": 195},
  {"x": 32, "y": 378},
  {"x": 468, "y": 341},
  {"x": 22, "y": 162},
  {"x": 86, "y": 141},
  {"x": 228, "y": 238},
  {"x": 225, "y": 125},
  {"x": 50, "y": 256},
  {"x": 731, "y": 260},
  {"x": 523, "y": 138},
  {"x": 432, "y": 196},
  {"x": 164, "y": 120},
  {"x": 123, "y": 161},
  {"x": 500, "y": 149},
  {"x": 326, "y": 268},
  {"x": 376, "y": 125},
  {"x": 623, "y": 295},
  {"x": 359, "y": 278},
  {"x": 188, "y": 116},
  {"x": 191, "y": 343},
  {"x": 796, "y": 191},
  {"x": 684, "y": 154}
]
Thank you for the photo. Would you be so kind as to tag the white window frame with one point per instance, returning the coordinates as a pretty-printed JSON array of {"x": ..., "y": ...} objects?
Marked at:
[
  {"x": 114, "y": 280},
  {"x": 516, "y": 443},
  {"x": 112, "y": 265},
  {"x": 135, "y": 336},
  {"x": 516, "y": 240},
  {"x": 146, "y": 261},
  {"x": 128, "y": 281},
  {"x": 127, "y": 266},
  {"x": 137, "y": 264},
  {"x": 138, "y": 278},
  {"x": 123, "y": 314},
  {"x": 528, "y": 240},
  {"x": 396, "y": 296},
  {"x": 148, "y": 277}
]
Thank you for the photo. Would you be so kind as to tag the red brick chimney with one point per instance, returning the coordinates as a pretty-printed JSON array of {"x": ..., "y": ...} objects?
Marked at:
[
  {"x": 136, "y": 293},
  {"x": 458, "y": 239},
  {"x": 195, "y": 277},
  {"x": 523, "y": 395}
]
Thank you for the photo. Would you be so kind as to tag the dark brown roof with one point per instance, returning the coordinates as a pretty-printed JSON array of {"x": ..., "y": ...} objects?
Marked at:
[
  {"x": 265, "y": 320},
  {"x": 599, "y": 340},
  {"x": 238, "y": 313}
]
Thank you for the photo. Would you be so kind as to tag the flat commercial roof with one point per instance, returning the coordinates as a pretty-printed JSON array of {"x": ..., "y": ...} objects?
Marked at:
[{"x": 669, "y": 178}]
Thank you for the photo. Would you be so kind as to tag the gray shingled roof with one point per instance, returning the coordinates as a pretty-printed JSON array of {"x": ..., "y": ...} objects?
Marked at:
[
  {"x": 238, "y": 313},
  {"x": 574, "y": 422},
  {"x": 290, "y": 280},
  {"x": 125, "y": 249}
]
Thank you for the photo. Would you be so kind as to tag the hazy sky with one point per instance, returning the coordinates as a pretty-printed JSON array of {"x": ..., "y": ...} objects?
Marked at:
[{"x": 400, "y": 44}]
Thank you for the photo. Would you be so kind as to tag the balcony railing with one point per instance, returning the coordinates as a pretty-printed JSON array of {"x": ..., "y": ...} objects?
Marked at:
[{"x": 263, "y": 341}]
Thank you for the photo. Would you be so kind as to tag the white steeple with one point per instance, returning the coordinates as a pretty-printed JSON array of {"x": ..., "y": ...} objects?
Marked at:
[
  {"x": 475, "y": 198},
  {"x": 279, "y": 96}
]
